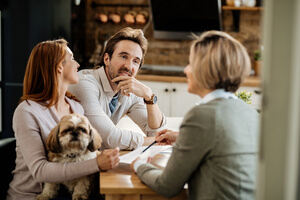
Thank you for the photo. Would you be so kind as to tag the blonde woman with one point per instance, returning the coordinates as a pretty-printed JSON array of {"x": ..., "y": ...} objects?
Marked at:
[{"x": 215, "y": 150}]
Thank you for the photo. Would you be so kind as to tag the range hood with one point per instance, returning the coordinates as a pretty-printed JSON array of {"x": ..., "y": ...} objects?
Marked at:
[
  {"x": 164, "y": 70},
  {"x": 177, "y": 19}
]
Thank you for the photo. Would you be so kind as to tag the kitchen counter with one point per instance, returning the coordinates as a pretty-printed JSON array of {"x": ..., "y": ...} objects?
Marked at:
[{"x": 251, "y": 81}]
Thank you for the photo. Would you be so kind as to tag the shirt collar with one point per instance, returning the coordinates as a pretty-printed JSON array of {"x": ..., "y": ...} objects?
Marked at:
[
  {"x": 106, "y": 85},
  {"x": 104, "y": 80},
  {"x": 216, "y": 94}
]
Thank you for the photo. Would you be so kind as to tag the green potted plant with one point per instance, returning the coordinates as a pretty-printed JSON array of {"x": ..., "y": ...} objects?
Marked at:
[
  {"x": 257, "y": 62},
  {"x": 245, "y": 96}
]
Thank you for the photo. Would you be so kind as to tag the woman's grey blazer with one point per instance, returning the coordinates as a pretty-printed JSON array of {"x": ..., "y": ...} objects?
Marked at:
[{"x": 215, "y": 154}]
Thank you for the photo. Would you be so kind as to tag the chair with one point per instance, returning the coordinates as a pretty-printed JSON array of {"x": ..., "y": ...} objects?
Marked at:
[{"x": 8, "y": 157}]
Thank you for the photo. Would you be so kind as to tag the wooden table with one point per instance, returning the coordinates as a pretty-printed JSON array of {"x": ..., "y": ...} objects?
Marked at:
[{"x": 121, "y": 183}]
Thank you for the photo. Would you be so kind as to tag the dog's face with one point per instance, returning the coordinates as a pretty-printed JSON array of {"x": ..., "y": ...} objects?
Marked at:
[{"x": 73, "y": 133}]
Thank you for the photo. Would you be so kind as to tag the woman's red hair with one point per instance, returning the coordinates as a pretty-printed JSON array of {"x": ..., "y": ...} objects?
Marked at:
[{"x": 40, "y": 81}]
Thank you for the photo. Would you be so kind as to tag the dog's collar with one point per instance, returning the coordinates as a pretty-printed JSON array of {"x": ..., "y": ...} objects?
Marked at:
[{"x": 72, "y": 155}]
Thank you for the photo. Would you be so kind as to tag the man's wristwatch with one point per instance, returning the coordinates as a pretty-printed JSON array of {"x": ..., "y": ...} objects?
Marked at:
[{"x": 153, "y": 100}]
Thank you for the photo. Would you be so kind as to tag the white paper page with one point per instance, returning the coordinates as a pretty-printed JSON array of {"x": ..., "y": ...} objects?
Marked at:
[{"x": 152, "y": 151}]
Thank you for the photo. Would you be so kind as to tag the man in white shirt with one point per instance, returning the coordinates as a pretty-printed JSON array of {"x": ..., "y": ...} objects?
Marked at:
[{"x": 109, "y": 92}]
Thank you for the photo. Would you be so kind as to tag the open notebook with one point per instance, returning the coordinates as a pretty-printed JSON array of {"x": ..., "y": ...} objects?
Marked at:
[{"x": 152, "y": 151}]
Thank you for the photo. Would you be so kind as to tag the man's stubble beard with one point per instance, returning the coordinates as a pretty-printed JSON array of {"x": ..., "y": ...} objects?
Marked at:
[{"x": 112, "y": 76}]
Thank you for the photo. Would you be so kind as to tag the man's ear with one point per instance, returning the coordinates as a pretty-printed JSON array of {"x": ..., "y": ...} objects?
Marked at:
[{"x": 106, "y": 59}]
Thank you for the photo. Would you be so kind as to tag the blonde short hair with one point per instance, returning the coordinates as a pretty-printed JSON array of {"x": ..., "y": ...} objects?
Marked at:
[{"x": 219, "y": 61}]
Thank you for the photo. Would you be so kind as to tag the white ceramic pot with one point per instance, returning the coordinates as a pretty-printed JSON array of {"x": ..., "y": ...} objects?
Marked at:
[
  {"x": 249, "y": 3},
  {"x": 237, "y": 3}
]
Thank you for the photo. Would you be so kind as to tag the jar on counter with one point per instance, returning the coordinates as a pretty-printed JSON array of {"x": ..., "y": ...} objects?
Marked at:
[
  {"x": 249, "y": 3},
  {"x": 230, "y": 2},
  {"x": 236, "y": 3}
]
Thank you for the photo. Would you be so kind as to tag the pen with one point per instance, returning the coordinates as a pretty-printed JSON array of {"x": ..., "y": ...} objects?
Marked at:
[{"x": 149, "y": 146}]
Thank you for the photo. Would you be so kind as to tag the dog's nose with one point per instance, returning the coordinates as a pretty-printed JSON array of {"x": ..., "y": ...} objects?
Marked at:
[{"x": 74, "y": 135}]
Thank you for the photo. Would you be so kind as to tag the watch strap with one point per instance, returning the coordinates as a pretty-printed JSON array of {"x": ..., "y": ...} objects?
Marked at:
[{"x": 152, "y": 100}]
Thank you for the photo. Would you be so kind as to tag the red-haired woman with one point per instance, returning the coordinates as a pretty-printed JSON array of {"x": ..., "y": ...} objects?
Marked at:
[{"x": 51, "y": 68}]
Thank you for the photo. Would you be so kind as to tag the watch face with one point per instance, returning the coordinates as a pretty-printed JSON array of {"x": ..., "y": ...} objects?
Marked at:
[{"x": 154, "y": 99}]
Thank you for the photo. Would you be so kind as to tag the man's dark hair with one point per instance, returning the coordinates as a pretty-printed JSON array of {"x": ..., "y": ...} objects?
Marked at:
[{"x": 135, "y": 35}]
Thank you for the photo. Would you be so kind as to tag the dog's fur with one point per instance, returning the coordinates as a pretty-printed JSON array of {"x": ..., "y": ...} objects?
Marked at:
[{"x": 72, "y": 140}]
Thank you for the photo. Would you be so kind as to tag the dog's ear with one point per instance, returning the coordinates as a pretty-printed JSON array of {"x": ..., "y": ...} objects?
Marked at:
[
  {"x": 52, "y": 142},
  {"x": 96, "y": 140}
]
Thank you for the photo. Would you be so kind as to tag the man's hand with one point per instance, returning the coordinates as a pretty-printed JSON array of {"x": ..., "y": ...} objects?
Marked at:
[
  {"x": 166, "y": 137},
  {"x": 129, "y": 85},
  {"x": 148, "y": 140},
  {"x": 108, "y": 159}
]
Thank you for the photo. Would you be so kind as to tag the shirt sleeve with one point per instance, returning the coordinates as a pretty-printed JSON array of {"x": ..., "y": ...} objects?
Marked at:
[
  {"x": 112, "y": 136},
  {"x": 29, "y": 141},
  {"x": 193, "y": 144},
  {"x": 138, "y": 114}
]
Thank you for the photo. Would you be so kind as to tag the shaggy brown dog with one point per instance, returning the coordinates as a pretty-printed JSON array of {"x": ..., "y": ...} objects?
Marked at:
[{"x": 72, "y": 140}]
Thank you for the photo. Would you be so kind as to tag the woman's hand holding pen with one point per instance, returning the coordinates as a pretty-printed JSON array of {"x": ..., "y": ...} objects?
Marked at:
[{"x": 166, "y": 137}]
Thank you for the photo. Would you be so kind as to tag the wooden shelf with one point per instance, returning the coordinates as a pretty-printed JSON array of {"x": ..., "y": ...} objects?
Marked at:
[
  {"x": 242, "y": 8},
  {"x": 236, "y": 14},
  {"x": 160, "y": 78}
]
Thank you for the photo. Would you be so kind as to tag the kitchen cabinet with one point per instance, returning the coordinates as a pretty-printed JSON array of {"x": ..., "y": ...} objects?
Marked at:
[
  {"x": 173, "y": 98},
  {"x": 175, "y": 101}
]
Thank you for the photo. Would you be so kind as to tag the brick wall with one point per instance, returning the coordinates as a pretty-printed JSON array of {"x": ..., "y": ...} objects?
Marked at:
[{"x": 160, "y": 52}]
